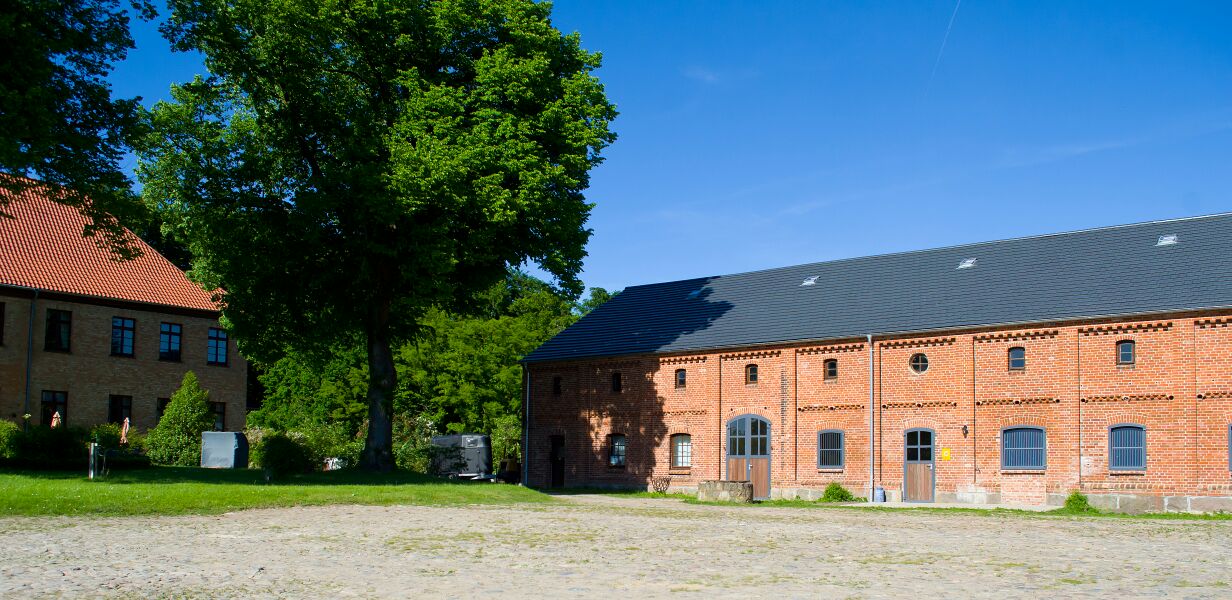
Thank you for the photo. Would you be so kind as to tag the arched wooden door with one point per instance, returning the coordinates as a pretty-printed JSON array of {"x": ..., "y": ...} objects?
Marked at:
[{"x": 748, "y": 453}]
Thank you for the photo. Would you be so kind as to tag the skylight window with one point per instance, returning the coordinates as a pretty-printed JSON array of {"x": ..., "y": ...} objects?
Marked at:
[
  {"x": 967, "y": 263},
  {"x": 1167, "y": 240},
  {"x": 694, "y": 294},
  {"x": 810, "y": 280}
]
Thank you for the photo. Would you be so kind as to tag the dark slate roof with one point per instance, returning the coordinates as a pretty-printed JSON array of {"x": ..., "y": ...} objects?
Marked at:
[{"x": 1094, "y": 273}]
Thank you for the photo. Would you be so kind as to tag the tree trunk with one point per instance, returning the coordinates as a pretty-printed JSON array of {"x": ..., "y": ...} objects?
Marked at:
[{"x": 382, "y": 381}]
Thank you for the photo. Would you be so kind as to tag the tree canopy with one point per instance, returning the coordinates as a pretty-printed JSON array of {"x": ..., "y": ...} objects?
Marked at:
[
  {"x": 348, "y": 165},
  {"x": 58, "y": 120},
  {"x": 461, "y": 374}
]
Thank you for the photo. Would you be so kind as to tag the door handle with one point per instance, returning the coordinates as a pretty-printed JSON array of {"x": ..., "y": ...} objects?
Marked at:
[{"x": 930, "y": 466}]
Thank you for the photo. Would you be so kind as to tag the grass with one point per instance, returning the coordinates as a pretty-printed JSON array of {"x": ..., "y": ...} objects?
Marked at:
[{"x": 188, "y": 490}]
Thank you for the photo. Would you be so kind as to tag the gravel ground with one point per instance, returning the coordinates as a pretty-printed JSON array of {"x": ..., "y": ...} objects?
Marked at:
[{"x": 607, "y": 546}]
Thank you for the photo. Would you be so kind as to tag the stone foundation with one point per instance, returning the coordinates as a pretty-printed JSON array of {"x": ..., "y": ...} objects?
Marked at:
[{"x": 725, "y": 491}]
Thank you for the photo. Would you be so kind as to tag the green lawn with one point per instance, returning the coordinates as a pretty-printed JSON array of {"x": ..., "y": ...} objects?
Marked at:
[{"x": 185, "y": 490}]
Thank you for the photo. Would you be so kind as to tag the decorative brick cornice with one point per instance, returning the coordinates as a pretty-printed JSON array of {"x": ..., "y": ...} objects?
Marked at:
[
  {"x": 686, "y": 413},
  {"x": 1130, "y": 398},
  {"x": 1213, "y": 322},
  {"x": 752, "y": 354},
  {"x": 1125, "y": 328},
  {"x": 821, "y": 407},
  {"x": 1009, "y": 401},
  {"x": 935, "y": 404},
  {"x": 918, "y": 343},
  {"x": 1013, "y": 336},
  {"x": 682, "y": 360},
  {"x": 1216, "y": 395},
  {"x": 830, "y": 349}
]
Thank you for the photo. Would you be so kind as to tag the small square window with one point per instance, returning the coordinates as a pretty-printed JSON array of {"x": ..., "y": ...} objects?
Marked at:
[
  {"x": 557, "y": 386},
  {"x": 831, "y": 368},
  {"x": 1126, "y": 352},
  {"x": 618, "y": 384},
  {"x": 750, "y": 374},
  {"x": 1017, "y": 359},
  {"x": 681, "y": 378}
]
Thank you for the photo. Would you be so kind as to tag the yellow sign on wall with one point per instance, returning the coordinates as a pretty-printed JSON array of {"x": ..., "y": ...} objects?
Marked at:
[{"x": 945, "y": 454}]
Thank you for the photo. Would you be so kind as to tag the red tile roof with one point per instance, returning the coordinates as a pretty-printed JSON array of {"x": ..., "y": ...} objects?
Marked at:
[{"x": 42, "y": 247}]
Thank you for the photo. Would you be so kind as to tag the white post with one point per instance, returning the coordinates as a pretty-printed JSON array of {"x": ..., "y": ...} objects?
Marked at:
[{"x": 93, "y": 454}]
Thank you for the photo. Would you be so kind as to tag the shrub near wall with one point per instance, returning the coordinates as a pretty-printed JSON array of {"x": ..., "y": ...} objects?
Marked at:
[{"x": 177, "y": 438}]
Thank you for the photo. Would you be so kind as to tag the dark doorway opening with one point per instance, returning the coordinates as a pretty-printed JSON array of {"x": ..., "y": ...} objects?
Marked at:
[{"x": 557, "y": 458}]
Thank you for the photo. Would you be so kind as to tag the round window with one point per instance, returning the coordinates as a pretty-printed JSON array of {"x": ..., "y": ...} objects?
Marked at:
[{"x": 919, "y": 363}]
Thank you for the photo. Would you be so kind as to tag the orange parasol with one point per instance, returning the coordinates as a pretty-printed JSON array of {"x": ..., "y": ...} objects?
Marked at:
[{"x": 55, "y": 419}]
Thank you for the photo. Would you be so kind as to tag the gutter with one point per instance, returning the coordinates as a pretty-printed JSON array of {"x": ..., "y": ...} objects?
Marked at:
[
  {"x": 25, "y": 403},
  {"x": 526, "y": 426},
  {"x": 872, "y": 477}
]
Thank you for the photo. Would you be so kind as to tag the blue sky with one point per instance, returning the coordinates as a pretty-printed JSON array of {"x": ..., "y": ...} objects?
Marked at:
[{"x": 756, "y": 135}]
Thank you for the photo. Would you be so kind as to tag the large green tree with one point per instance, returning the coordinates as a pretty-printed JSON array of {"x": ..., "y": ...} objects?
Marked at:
[
  {"x": 349, "y": 164},
  {"x": 461, "y": 373},
  {"x": 58, "y": 120}
]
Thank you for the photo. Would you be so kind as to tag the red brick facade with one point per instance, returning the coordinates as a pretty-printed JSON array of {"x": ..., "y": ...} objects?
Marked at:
[{"x": 1178, "y": 388}]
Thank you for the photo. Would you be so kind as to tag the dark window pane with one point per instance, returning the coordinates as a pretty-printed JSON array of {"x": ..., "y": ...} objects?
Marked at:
[
  {"x": 913, "y": 454},
  {"x": 926, "y": 438},
  {"x": 926, "y": 453},
  {"x": 913, "y": 438}
]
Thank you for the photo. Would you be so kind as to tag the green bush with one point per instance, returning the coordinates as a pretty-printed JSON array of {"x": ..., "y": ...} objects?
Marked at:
[
  {"x": 136, "y": 441},
  {"x": 9, "y": 433},
  {"x": 413, "y": 448},
  {"x": 46, "y": 448},
  {"x": 835, "y": 492},
  {"x": 283, "y": 454},
  {"x": 1077, "y": 502},
  {"x": 177, "y": 438},
  {"x": 106, "y": 435}
]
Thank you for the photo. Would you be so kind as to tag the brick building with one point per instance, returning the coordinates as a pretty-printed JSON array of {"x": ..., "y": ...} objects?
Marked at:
[
  {"x": 1004, "y": 372},
  {"x": 97, "y": 339}
]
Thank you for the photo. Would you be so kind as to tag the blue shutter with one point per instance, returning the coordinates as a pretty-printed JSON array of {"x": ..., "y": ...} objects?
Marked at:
[
  {"x": 1127, "y": 447},
  {"x": 1023, "y": 448},
  {"x": 830, "y": 450}
]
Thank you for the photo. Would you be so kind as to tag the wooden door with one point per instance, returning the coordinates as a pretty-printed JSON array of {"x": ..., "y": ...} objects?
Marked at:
[
  {"x": 748, "y": 453},
  {"x": 557, "y": 458},
  {"x": 919, "y": 474}
]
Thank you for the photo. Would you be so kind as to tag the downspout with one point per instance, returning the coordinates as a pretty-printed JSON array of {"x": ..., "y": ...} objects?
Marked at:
[
  {"x": 872, "y": 477},
  {"x": 526, "y": 425},
  {"x": 25, "y": 409}
]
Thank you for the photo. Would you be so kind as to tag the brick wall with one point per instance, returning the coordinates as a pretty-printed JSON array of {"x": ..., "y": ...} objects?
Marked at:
[
  {"x": 90, "y": 375},
  {"x": 1179, "y": 389}
]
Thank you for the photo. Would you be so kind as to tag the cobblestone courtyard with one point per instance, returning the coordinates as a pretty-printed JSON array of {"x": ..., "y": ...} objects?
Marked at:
[{"x": 610, "y": 546}]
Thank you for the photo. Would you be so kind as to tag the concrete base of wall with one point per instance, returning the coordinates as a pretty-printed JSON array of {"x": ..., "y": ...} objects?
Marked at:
[{"x": 977, "y": 497}]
